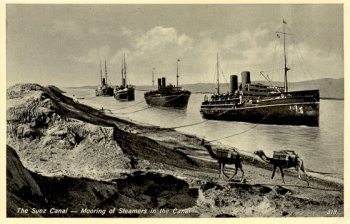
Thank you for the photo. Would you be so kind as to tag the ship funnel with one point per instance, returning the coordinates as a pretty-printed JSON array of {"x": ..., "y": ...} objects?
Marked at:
[
  {"x": 245, "y": 78},
  {"x": 233, "y": 83},
  {"x": 159, "y": 83},
  {"x": 163, "y": 82}
]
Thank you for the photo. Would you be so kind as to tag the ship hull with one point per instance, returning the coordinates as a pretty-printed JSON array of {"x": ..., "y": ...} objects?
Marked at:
[
  {"x": 125, "y": 95},
  {"x": 175, "y": 100},
  {"x": 104, "y": 92},
  {"x": 295, "y": 110}
]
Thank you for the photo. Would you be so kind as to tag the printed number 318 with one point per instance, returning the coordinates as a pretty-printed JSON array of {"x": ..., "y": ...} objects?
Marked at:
[{"x": 332, "y": 212}]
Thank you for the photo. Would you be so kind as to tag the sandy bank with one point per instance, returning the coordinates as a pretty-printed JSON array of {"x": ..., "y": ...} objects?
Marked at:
[{"x": 63, "y": 142}]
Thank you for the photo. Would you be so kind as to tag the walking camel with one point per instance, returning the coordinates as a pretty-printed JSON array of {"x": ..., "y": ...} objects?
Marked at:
[
  {"x": 292, "y": 161},
  {"x": 226, "y": 157}
]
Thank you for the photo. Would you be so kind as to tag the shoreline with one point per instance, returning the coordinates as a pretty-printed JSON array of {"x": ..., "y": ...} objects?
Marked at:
[
  {"x": 60, "y": 137},
  {"x": 248, "y": 155}
]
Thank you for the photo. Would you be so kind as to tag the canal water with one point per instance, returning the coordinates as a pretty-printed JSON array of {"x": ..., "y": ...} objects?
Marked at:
[{"x": 322, "y": 148}]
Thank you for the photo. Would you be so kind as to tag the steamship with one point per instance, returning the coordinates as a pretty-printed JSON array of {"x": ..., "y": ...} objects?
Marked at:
[
  {"x": 124, "y": 92},
  {"x": 258, "y": 103},
  {"x": 168, "y": 95},
  {"x": 103, "y": 89}
]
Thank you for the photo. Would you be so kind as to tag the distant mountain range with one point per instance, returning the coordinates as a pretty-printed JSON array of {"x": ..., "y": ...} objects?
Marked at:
[{"x": 329, "y": 88}]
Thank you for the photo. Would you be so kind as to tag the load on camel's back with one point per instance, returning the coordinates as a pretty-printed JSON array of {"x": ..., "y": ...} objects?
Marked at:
[
  {"x": 226, "y": 156},
  {"x": 284, "y": 159},
  {"x": 285, "y": 156}
]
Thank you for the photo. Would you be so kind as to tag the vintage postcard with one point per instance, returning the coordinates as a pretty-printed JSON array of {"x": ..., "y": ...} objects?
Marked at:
[{"x": 185, "y": 110}]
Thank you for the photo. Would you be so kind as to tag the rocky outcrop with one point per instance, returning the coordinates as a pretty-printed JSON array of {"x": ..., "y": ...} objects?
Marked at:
[
  {"x": 22, "y": 189},
  {"x": 143, "y": 191},
  {"x": 54, "y": 135}
]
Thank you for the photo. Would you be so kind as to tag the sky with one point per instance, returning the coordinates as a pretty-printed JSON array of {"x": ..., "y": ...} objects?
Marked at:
[{"x": 63, "y": 45}]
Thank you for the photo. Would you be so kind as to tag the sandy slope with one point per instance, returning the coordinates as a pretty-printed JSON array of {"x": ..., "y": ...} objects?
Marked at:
[{"x": 62, "y": 142}]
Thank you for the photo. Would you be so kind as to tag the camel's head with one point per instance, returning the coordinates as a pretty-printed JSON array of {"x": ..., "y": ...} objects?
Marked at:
[{"x": 259, "y": 153}]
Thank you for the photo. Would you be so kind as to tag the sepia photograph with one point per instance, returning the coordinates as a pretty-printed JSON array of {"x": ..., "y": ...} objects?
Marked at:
[{"x": 174, "y": 111}]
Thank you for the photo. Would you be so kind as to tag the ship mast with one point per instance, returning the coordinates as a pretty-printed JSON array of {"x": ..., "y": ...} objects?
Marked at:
[
  {"x": 153, "y": 79},
  {"x": 286, "y": 69},
  {"x": 101, "y": 72},
  {"x": 124, "y": 71},
  {"x": 177, "y": 73},
  {"x": 106, "y": 70},
  {"x": 217, "y": 72}
]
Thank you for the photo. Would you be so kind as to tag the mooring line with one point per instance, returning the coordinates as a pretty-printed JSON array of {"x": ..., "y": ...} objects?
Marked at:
[
  {"x": 135, "y": 111},
  {"x": 130, "y": 105},
  {"x": 187, "y": 125},
  {"x": 239, "y": 133}
]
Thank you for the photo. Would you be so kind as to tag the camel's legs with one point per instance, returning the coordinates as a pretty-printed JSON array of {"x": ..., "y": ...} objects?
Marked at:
[
  {"x": 273, "y": 172},
  {"x": 306, "y": 176},
  {"x": 299, "y": 169},
  {"x": 220, "y": 169},
  {"x": 299, "y": 177},
  {"x": 236, "y": 171},
  {"x": 242, "y": 174},
  {"x": 307, "y": 179},
  {"x": 281, "y": 169},
  {"x": 223, "y": 171}
]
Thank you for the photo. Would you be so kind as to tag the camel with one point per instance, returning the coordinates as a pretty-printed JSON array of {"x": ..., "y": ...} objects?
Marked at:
[
  {"x": 233, "y": 157},
  {"x": 293, "y": 161}
]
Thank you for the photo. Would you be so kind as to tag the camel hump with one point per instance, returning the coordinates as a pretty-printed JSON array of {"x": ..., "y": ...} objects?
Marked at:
[
  {"x": 286, "y": 152},
  {"x": 285, "y": 155},
  {"x": 290, "y": 152},
  {"x": 280, "y": 155},
  {"x": 225, "y": 153}
]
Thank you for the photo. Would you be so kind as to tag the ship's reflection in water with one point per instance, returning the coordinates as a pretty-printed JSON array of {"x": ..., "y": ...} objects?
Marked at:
[{"x": 322, "y": 148}]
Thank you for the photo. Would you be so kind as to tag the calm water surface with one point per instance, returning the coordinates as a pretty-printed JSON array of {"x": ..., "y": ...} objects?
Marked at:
[{"x": 322, "y": 148}]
